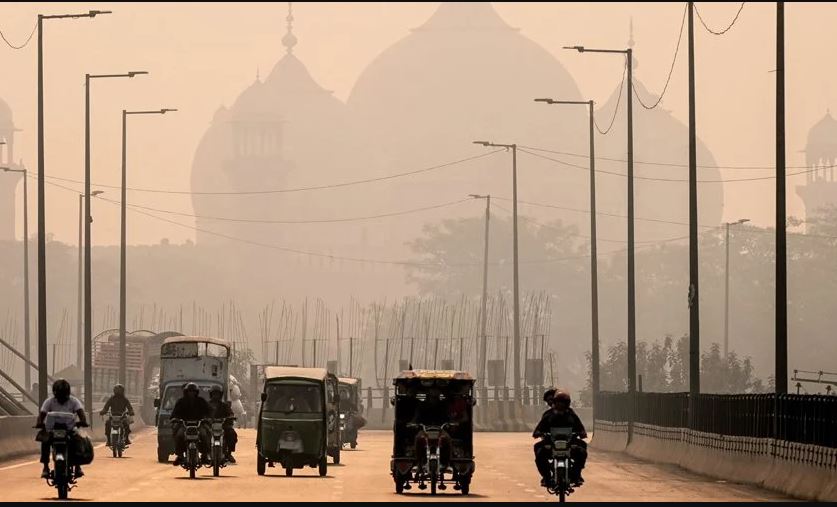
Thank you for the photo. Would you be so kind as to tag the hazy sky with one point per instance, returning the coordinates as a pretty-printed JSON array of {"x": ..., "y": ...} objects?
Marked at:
[{"x": 202, "y": 55}]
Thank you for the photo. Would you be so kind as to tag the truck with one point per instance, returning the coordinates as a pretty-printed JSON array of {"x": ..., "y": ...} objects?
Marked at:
[{"x": 183, "y": 359}]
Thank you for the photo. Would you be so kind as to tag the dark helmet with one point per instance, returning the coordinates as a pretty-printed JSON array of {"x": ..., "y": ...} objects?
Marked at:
[
  {"x": 562, "y": 397},
  {"x": 119, "y": 390},
  {"x": 61, "y": 389},
  {"x": 548, "y": 395},
  {"x": 216, "y": 390},
  {"x": 191, "y": 386}
]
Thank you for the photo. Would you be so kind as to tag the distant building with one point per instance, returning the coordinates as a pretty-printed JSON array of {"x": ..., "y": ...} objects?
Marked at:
[{"x": 820, "y": 188}]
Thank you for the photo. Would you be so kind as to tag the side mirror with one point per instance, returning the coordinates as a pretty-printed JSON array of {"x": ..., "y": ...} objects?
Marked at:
[
  {"x": 156, "y": 402},
  {"x": 264, "y": 397},
  {"x": 472, "y": 401},
  {"x": 392, "y": 401}
]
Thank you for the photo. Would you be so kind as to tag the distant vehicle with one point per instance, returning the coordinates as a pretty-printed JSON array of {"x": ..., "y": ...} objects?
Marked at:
[
  {"x": 351, "y": 418},
  {"x": 298, "y": 423},
  {"x": 202, "y": 360},
  {"x": 433, "y": 430}
]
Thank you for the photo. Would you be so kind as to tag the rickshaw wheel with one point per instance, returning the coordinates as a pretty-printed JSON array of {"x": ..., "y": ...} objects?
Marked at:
[
  {"x": 465, "y": 486},
  {"x": 336, "y": 457},
  {"x": 289, "y": 471},
  {"x": 260, "y": 464},
  {"x": 353, "y": 445},
  {"x": 399, "y": 485},
  {"x": 323, "y": 466}
]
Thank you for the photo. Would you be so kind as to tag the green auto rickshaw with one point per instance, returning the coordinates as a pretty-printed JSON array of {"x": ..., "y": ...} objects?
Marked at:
[{"x": 299, "y": 421}]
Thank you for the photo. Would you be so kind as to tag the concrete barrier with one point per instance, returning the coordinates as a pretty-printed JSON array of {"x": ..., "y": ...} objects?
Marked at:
[
  {"x": 17, "y": 435},
  {"x": 803, "y": 471}
]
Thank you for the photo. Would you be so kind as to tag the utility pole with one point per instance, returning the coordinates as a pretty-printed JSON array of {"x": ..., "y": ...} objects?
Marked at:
[
  {"x": 726, "y": 286},
  {"x": 781, "y": 373},
  {"x": 594, "y": 266},
  {"x": 88, "y": 219},
  {"x": 516, "y": 313},
  {"x": 631, "y": 243},
  {"x": 79, "y": 337},
  {"x": 42, "y": 302},
  {"x": 123, "y": 373},
  {"x": 483, "y": 348},
  {"x": 693, "y": 295}
]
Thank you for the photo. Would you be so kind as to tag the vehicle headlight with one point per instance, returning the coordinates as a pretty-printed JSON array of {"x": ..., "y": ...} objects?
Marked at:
[{"x": 342, "y": 416}]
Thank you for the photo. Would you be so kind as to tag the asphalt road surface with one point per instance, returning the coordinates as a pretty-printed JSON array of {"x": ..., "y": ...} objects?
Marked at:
[{"x": 505, "y": 472}]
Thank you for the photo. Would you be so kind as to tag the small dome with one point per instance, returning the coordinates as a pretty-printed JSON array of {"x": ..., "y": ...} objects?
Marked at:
[
  {"x": 250, "y": 104},
  {"x": 822, "y": 141}
]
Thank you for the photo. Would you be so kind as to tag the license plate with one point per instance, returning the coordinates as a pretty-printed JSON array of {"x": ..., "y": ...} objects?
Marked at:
[{"x": 59, "y": 433}]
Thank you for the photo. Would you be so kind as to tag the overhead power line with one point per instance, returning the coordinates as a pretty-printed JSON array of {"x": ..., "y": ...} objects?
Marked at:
[
  {"x": 25, "y": 43},
  {"x": 618, "y": 101},
  {"x": 297, "y": 189},
  {"x": 725, "y": 30},
  {"x": 670, "y": 70}
]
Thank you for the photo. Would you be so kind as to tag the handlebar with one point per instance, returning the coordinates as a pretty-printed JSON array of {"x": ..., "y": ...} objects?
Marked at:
[{"x": 424, "y": 427}]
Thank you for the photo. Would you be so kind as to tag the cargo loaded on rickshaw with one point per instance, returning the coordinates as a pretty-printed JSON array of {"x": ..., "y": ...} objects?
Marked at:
[
  {"x": 298, "y": 423},
  {"x": 433, "y": 431}
]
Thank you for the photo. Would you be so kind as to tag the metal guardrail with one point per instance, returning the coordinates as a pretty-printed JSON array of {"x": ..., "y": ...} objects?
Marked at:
[{"x": 806, "y": 419}]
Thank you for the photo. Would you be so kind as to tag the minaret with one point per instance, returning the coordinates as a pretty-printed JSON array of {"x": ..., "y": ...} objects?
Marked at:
[{"x": 290, "y": 40}]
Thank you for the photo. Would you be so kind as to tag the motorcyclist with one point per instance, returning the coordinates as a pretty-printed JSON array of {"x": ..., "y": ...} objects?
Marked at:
[
  {"x": 61, "y": 401},
  {"x": 191, "y": 407},
  {"x": 117, "y": 405},
  {"x": 560, "y": 415},
  {"x": 221, "y": 410}
]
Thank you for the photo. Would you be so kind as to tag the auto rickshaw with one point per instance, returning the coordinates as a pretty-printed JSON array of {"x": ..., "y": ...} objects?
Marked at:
[
  {"x": 351, "y": 418},
  {"x": 433, "y": 430},
  {"x": 298, "y": 423}
]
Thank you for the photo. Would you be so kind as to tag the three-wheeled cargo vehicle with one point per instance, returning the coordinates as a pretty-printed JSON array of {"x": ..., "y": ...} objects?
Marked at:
[
  {"x": 433, "y": 430},
  {"x": 299, "y": 423}
]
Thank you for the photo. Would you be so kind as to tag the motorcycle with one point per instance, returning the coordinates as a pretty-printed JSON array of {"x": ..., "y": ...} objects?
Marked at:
[
  {"x": 432, "y": 470},
  {"x": 118, "y": 439},
  {"x": 218, "y": 455},
  {"x": 192, "y": 462},
  {"x": 559, "y": 442},
  {"x": 58, "y": 428}
]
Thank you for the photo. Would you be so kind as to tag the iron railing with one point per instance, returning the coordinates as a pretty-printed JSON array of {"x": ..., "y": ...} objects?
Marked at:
[{"x": 806, "y": 419}]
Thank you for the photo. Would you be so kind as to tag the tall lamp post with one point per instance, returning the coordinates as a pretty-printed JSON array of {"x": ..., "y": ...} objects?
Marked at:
[
  {"x": 594, "y": 269},
  {"x": 726, "y": 285},
  {"x": 631, "y": 272},
  {"x": 26, "y": 345},
  {"x": 483, "y": 346},
  {"x": 123, "y": 374},
  {"x": 42, "y": 305},
  {"x": 88, "y": 297},
  {"x": 517, "y": 379}
]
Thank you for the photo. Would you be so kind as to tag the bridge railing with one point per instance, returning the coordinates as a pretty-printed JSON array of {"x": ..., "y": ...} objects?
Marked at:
[{"x": 807, "y": 419}]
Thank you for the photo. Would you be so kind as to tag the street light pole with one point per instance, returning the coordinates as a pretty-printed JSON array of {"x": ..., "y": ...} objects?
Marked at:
[
  {"x": 483, "y": 347},
  {"x": 631, "y": 271},
  {"x": 517, "y": 379},
  {"x": 27, "y": 368},
  {"x": 123, "y": 373},
  {"x": 694, "y": 277},
  {"x": 79, "y": 338},
  {"x": 594, "y": 270},
  {"x": 42, "y": 307},
  {"x": 781, "y": 373},
  {"x": 726, "y": 286},
  {"x": 88, "y": 297}
]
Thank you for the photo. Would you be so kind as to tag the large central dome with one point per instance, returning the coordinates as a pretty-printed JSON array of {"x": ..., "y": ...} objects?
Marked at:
[{"x": 466, "y": 75}]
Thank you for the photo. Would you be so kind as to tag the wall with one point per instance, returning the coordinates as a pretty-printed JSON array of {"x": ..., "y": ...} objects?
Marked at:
[{"x": 804, "y": 471}]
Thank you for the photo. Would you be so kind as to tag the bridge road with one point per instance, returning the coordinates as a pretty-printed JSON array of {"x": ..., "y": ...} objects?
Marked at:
[{"x": 505, "y": 472}]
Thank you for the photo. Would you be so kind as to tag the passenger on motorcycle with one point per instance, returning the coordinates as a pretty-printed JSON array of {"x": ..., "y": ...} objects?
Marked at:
[
  {"x": 191, "y": 407},
  {"x": 560, "y": 415},
  {"x": 221, "y": 410},
  {"x": 117, "y": 405},
  {"x": 61, "y": 401}
]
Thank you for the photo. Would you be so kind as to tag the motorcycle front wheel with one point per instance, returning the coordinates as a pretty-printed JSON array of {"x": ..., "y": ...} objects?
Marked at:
[{"x": 193, "y": 462}]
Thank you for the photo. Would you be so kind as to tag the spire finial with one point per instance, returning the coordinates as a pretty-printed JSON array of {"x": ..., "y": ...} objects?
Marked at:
[
  {"x": 631, "y": 33},
  {"x": 258, "y": 74},
  {"x": 289, "y": 40}
]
